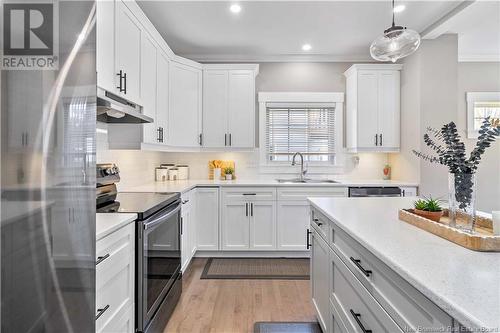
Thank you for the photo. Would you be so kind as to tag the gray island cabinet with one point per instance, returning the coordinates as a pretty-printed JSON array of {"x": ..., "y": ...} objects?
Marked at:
[{"x": 371, "y": 272}]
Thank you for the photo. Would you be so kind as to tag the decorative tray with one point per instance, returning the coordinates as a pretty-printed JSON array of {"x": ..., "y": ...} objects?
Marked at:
[{"x": 481, "y": 239}]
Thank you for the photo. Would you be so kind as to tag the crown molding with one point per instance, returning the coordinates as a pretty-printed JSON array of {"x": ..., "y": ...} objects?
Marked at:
[{"x": 228, "y": 58}]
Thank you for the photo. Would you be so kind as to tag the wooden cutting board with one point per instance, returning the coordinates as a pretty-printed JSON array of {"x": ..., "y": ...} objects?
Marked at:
[
  {"x": 482, "y": 239},
  {"x": 222, "y": 164}
]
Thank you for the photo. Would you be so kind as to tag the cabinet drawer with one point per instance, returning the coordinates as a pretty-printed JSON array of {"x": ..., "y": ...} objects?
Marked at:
[
  {"x": 122, "y": 322},
  {"x": 111, "y": 245},
  {"x": 407, "y": 306},
  {"x": 114, "y": 276},
  {"x": 249, "y": 193},
  {"x": 321, "y": 225},
  {"x": 355, "y": 307},
  {"x": 302, "y": 193}
]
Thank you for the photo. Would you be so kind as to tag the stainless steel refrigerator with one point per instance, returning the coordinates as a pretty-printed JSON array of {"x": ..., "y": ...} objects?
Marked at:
[{"x": 48, "y": 150}]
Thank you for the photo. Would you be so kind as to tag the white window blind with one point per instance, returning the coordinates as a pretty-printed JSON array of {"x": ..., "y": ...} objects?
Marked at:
[{"x": 308, "y": 130}]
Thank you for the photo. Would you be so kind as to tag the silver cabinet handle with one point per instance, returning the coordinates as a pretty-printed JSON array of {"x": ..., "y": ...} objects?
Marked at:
[
  {"x": 376, "y": 139},
  {"x": 101, "y": 311},
  {"x": 185, "y": 201},
  {"x": 101, "y": 259},
  {"x": 230, "y": 139},
  {"x": 246, "y": 209},
  {"x": 251, "y": 209},
  {"x": 225, "y": 139},
  {"x": 381, "y": 140}
]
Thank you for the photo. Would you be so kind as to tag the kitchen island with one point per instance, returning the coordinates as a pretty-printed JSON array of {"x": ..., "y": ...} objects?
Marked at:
[{"x": 404, "y": 275}]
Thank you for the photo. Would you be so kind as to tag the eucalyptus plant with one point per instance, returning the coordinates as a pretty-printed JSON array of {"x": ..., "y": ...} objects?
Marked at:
[{"x": 450, "y": 152}]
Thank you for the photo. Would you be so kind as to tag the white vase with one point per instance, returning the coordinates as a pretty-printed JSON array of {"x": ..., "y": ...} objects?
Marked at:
[
  {"x": 217, "y": 173},
  {"x": 229, "y": 177}
]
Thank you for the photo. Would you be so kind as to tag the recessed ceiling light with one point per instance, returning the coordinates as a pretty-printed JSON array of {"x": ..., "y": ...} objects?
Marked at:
[
  {"x": 399, "y": 8},
  {"x": 306, "y": 47},
  {"x": 235, "y": 8}
]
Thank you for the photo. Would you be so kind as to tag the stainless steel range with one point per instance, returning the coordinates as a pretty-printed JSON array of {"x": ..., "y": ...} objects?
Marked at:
[{"x": 158, "y": 251}]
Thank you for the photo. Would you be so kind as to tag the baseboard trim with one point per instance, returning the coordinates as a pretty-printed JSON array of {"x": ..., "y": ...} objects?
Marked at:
[{"x": 256, "y": 254}]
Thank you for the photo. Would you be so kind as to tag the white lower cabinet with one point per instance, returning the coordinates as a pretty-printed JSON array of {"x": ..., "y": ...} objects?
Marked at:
[
  {"x": 115, "y": 278},
  {"x": 293, "y": 214},
  {"x": 248, "y": 219},
  {"x": 320, "y": 279},
  {"x": 235, "y": 227},
  {"x": 292, "y": 224},
  {"x": 188, "y": 228},
  {"x": 364, "y": 294},
  {"x": 262, "y": 225},
  {"x": 207, "y": 218}
]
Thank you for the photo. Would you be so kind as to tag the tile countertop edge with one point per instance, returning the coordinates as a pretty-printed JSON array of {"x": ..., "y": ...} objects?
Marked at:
[
  {"x": 107, "y": 223},
  {"x": 463, "y": 316},
  {"x": 184, "y": 186}
]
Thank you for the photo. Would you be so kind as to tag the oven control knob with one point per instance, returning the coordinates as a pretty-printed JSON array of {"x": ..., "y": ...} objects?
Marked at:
[{"x": 109, "y": 171}]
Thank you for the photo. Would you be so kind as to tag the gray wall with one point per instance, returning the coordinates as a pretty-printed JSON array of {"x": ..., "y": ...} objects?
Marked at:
[
  {"x": 481, "y": 77},
  {"x": 299, "y": 77},
  {"x": 433, "y": 93}
]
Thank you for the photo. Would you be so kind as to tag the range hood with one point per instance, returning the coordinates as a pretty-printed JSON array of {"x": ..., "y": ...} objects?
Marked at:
[{"x": 117, "y": 110}]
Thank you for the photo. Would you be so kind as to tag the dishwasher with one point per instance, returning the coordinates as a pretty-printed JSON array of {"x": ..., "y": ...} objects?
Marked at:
[{"x": 360, "y": 192}]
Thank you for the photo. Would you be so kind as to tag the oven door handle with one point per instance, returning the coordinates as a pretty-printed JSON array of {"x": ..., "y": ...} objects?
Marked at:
[{"x": 162, "y": 217}]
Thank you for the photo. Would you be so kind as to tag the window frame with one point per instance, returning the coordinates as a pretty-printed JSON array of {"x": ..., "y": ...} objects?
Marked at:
[
  {"x": 471, "y": 98},
  {"x": 336, "y": 98}
]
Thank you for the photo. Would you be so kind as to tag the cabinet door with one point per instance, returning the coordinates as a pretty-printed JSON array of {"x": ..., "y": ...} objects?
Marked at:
[
  {"x": 367, "y": 109},
  {"x": 148, "y": 87},
  {"x": 292, "y": 223},
  {"x": 388, "y": 109},
  {"x": 162, "y": 95},
  {"x": 241, "y": 108},
  {"x": 207, "y": 221},
  {"x": 105, "y": 48},
  {"x": 186, "y": 236},
  {"x": 185, "y": 106},
  {"x": 128, "y": 51},
  {"x": 319, "y": 278},
  {"x": 215, "y": 99},
  {"x": 192, "y": 226},
  {"x": 235, "y": 228},
  {"x": 263, "y": 225}
]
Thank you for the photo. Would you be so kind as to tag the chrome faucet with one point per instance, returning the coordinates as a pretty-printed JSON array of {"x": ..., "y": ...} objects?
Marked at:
[{"x": 302, "y": 170}]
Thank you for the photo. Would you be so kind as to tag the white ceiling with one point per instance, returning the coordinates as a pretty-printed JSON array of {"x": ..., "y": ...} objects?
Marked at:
[
  {"x": 478, "y": 29},
  {"x": 276, "y": 30}
]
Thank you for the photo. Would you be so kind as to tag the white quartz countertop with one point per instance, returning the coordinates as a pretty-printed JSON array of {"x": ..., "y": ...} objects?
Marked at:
[
  {"x": 464, "y": 283},
  {"x": 186, "y": 185},
  {"x": 106, "y": 223}
]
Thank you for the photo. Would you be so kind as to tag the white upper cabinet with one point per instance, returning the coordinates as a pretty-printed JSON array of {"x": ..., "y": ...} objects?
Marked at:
[
  {"x": 184, "y": 106},
  {"x": 148, "y": 87},
  {"x": 162, "y": 94},
  {"x": 118, "y": 50},
  {"x": 229, "y": 105},
  {"x": 215, "y": 92},
  {"x": 373, "y": 108},
  {"x": 128, "y": 53},
  {"x": 105, "y": 50}
]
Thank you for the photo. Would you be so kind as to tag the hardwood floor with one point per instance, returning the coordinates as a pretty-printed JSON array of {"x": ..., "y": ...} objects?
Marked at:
[{"x": 234, "y": 306}]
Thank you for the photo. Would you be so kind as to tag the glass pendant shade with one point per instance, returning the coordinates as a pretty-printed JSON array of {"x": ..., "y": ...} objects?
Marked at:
[{"x": 396, "y": 42}]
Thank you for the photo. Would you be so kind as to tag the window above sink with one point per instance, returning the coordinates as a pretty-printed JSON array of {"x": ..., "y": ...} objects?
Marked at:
[{"x": 308, "y": 123}]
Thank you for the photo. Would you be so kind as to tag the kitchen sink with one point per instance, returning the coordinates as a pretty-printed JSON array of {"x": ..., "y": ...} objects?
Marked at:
[{"x": 307, "y": 181}]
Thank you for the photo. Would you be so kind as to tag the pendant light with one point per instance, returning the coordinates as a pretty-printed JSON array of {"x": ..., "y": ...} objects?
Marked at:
[{"x": 396, "y": 42}]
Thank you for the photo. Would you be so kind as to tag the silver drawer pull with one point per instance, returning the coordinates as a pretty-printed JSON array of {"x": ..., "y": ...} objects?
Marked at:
[
  {"x": 249, "y": 193},
  {"x": 101, "y": 311},
  {"x": 318, "y": 223},
  {"x": 360, "y": 324},
  {"x": 101, "y": 259},
  {"x": 357, "y": 262},
  {"x": 185, "y": 201}
]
